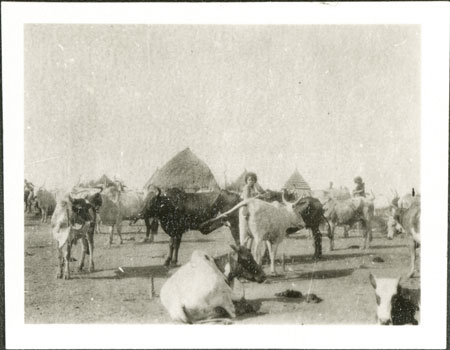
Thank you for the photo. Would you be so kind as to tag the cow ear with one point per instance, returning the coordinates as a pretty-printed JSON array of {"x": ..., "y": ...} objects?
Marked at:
[
  {"x": 373, "y": 282},
  {"x": 234, "y": 248}
]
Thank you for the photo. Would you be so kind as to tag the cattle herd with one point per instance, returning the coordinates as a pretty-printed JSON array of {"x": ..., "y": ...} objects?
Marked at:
[{"x": 214, "y": 280}]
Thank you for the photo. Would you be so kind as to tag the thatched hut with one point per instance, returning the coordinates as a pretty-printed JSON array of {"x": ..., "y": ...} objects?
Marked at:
[
  {"x": 297, "y": 185},
  {"x": 185, "y": 171},
  {"x": 102, "y": 180}
]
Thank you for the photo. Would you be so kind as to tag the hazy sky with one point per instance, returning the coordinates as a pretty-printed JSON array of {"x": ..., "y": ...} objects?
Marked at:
[{"x": 332, "y": 101}]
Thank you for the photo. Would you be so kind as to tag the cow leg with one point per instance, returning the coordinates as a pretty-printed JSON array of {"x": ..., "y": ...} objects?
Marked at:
[
  {"x": 60, "y": 272},
  {"x": 317, "y": 242},
  {"x": 177, "y": 246},
  {"x": 367, "y": 236},
  {"x": 150, "y": 229},
  {"x": 119, "y": 229},
  {"x": 256, "y": 251},
  {"x": 67, "y": 250},
  {"x": 42, "y": 215},
  {"x": 90, "y": 242},
  {"x": 272, "y": 253},
  {"x": 331, "y": 231},
  {"x": 111, "y": 233},
  {"x": 346, "y": 229},
  {"x": 84, "y": 249},
  {"x": 412, "y": 253},
  {"x": 171, "y": 246}
]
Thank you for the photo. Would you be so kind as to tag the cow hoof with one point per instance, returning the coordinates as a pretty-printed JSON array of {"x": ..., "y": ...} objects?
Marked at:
[
  {"x": 121, "y": 241},
  {"x": 80, "y": 269},
  {"x": 66, "y": 277},
  {"x": 167, "y": 263},
  {"x": 173, "y": 264},
  {"x": 92, "y": 269},
  {"x": 58, "y": 275},
  {"x": 274, "y": 274}
]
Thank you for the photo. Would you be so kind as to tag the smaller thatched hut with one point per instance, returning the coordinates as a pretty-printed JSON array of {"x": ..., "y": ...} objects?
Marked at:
[
  {"x": 297, "y": 185},
  {"x": 185, "y": 171},
  {"x": 102, "y": 180}
]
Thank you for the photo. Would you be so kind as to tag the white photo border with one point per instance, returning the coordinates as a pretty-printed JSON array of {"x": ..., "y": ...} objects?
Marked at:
[{"x": 431, "y": 333}]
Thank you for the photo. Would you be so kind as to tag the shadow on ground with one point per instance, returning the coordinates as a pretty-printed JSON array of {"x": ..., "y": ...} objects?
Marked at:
[{"x": 157, "y": 271}]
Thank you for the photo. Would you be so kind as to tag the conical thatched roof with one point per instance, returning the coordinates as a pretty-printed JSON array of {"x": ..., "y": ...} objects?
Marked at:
[
  {"x": 185, "y": 171},
  {"x": 297, "y": 184},
  {"x": 238, "y": 184},
  {"x": 101, "y": 181}
]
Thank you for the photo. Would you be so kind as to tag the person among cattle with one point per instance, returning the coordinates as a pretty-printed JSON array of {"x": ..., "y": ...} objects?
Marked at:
[
  {"x": 28, "y": 185},
  {"x": 359, "y": 190},
  {"x": 251, "y": 189}
]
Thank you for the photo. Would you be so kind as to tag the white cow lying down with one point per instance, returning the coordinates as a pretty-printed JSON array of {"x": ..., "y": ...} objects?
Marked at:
[{"x": 199, "y": 290}]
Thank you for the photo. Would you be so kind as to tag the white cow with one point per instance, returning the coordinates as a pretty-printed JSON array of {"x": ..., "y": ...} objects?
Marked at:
[
  {"x": 70, "y": 222},
  {"x": 119, "y": 205},
  {"x": 202, "y": 289},
  {"x": 268, "y": 222},
  {"x": 395, "y": 305}
]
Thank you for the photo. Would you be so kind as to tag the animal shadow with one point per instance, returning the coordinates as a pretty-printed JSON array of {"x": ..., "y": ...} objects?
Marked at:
[
  {"x": 387, "y": 246},
  {"x": 156, "y": 271},
  {"x": 308, "y": 259},
  {"x": 199, "y": 240},
  {"x": 323, "y": 274},
  {"x": 248, "y": 309}
]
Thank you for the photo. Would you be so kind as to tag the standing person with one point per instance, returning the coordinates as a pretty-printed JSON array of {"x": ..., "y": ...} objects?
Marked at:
[
  {"x": 251, "y": 190},
  {"x": 360, "y": 190}
]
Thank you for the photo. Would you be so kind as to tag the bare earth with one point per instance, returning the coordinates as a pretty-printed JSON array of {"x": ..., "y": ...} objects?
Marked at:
[{"x": 109, "y": 295}]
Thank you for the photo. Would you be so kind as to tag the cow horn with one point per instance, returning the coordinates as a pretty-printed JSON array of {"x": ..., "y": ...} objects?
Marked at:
[
  {"x": 158, "y": 191},
  {"x": 285, "y": 202},
  {"x": 298, "y": 200},
  {"x": 70, "y": 199},
  {"x": 99, "y": 187}
]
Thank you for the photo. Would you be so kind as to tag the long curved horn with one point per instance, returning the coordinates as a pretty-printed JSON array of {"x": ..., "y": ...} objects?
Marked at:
[
  {"x": 158, "y": 193},
  {"x": 298, "y": 200},
  {"x": 285, "y": 202},
  {"x": 99, "y": 188}
]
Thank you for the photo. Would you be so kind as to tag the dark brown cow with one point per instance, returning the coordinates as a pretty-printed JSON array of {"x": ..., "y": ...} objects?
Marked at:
[{"x": 178, "y": 212}]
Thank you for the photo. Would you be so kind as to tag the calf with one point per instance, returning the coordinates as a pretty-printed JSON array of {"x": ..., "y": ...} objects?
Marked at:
[
  {"x": 267, "y": 222},
  {"x": 202, "y": 289},
  {"x": 394, "y": 305},
  {"x": 73, "y": 219}
]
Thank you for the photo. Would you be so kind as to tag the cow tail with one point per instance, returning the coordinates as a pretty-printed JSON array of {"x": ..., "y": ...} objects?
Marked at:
[{"x": 329, "y": 226}]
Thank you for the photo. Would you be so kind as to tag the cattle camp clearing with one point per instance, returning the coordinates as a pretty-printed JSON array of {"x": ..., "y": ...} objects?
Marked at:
[{"x": 172, "y": 252}]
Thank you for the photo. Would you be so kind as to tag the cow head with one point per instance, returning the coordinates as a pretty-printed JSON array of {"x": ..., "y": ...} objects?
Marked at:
[
  {"x": 155, "y": 204},
  {"x": 393, "y": 227},
  {"x": 80, "y": 211},
  {"x": 245, "y": 265},
  {"x": 387, "y": 290}
]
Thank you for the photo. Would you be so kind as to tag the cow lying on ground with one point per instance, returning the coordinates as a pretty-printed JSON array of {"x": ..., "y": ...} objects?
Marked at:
[
  {"x": 179, "y": 212},
  {"x": 202, "y": 289},
  {"x": 408, "y": 221},
  {"x": 267, "y": 222},
  {"x": 395, "y": 305},
  {"x": 348, "y": 212},
  {"x": 74, "y": 219}
]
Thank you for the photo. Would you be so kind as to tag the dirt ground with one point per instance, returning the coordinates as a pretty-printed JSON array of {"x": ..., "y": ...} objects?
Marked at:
[{"x": 109, "y": 295}]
